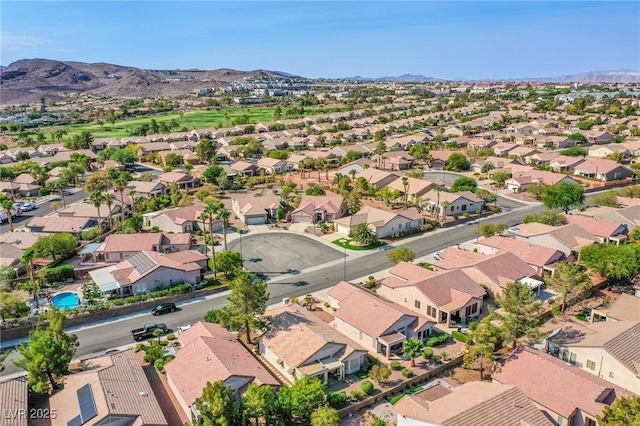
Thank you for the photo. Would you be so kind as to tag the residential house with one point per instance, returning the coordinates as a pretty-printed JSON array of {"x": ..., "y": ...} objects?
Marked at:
[
  {"x": 180, "y": 219},
  {"x": 147, "y": 271},
  {"x": 22, "y": 240},
  {"x": 564, "y": 393},
  {"x": 99, "y": 144},
  {"x": 55, "y": 224},
  {"x": 114, "y": 390},
  {"x": 396, "y": 160},
  {"x": 274, "y": 166},
  {"x": 90, "y": 211},
  {"x": 598, "y": 137},
  {"x": 441, "y": 203},
  {"x": 628, "y": 216},
  {"x": 439, "y": 158},
  {"x": 538, "y": 257},
  {"x": 565, "y": 163},
  {"x": 147, "y": 189},
  {"x": 377, "y": 178},
  {"x": 314, "y": 209},
  {"x": 298, "y": 344},
  {"x": 245, "y": 169},
  {"x": 607, "y": 232},
  {"x": 604, "y": 151},
  {"x": 257, "y": 209},
  {"x": 603, "y": 170},
  {"x": 445, "y": 297},
  {"x": 385, "y": 223},
  {"x": 608, "y": 349},
  {"x": 183, "y": 180},
  {"x": 117, "y": 247},
  {"x": 522, "y": 182},
  {"x": 473, "y": 403},
  {"x": 10, "y": 256},
  {"x": 625, "y": 308},
  {"x": 553, "y": 142},
  {"x": 27, "y": 186},
  {"x": 14, "y": 400},
  {"x": 149, "y": 147},
  {"x": 210, "y": 353},
  {"x": 415, "y": 190},
  {"x": 569, "y": 239},
  {"x": 538, "y": 158},
  {"x": 503, "y": 148},
  {"x": 393, "y": 323}
]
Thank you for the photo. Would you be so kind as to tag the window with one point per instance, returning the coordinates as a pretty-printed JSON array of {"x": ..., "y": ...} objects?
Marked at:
[
  {"x": 417, "y": 304},
  {"x": 611, "y": 374},
  {"x": 565, "y": 355},
  {"x": 591, "y": 365},
  {"x": 472, "y": 309},
  {"x": 399, "y": 226},
  {"x": 464, "y": 207},
  {"x": 572, "y": 358},
  {"x": 121, "y": 255},
  {"x": 405, "y": 300},
  {"x": 432, "y": 311},
  {"x": 590, "y": 422}
]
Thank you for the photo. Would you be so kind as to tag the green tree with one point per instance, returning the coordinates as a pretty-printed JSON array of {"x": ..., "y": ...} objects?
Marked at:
[
  {"x": 405, "y": 190},
  {"x": 228, "y": 261},
  {"x": 353, "y": 202},
  {"x": 247, "y": 303},
  {"x": 419, "y": 152},
  {"x": 172, "y": 159},
  {"x": 325, "y": 416},
  {"x": 211, "y": 209},
  {"x": 570, "y": 280},
  {"x": 625, "y": 411},
  {"x": 315, "y": 190},
  {"x": 260, "y": 403},
  {"x": 609, "y": 199},
  {"x": 120, "y": 184},
  {"x": 464, "y": 184},
  {"x": 457, "y": 162},
  {"x": 379, "y": 373},
  {"x": 216, "y": 405},
  {"x": 224, "y": 215},
  {"x": 6, "y": 205},
  {"x": 109, "y": 199},
  {"x": 563, "y": 196},
  {"x": 617, "y": 263},
  {"x": 536, "y": 189},
  {"x": 483, "y": 343},
  {"x": 488, "y": 230},
  {"x": 47, "y": 354},
  {"x": 307, "y": 394},
  {"x": 96, "y": 198},
  {"x": 364, "y": 234},
  {"x": 206, "y": 150},
  {"x": 499, "y": 178},
  {"x": 3, "y": 357},
  {"x": 548, "y": 217},
  {"x": 213, "y": 173},
  {"x": 124, "y": 156},
  {"x": 523, "y": 311},
  {"x": 412, "y": 349},
  {"x": 60, "y": 245},
  {"x": 401, "y": 254},
  {"x": 28, "y": 257},
  {"x": 575, "y": 151}
]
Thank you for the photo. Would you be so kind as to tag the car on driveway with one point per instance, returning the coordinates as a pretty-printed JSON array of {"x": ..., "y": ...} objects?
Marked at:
[
  {"x": 163, "y": 308},
  {"x": 437, "y": 255}
]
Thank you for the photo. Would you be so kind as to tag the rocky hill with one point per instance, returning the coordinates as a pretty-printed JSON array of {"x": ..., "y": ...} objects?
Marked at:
[{"x": 28, "y": 80}]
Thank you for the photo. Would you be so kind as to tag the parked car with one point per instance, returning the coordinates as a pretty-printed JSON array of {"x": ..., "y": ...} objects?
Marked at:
[
  {"x": 147, "y": 330},
  {"x": 29, "y": 205},
  {"x": 438, "y": 254},
  {"x": 163, "y": 308}
]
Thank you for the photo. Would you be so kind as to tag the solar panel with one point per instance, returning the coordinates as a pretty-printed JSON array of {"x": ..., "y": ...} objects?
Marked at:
[
  {"x": 141, "y": 262},
  {"x": 87, "y": 404}
]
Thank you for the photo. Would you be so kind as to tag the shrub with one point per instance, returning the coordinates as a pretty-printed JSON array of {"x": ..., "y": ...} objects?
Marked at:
[
  {"x": 356, "y": 395},
  {"x": 557, "y": 310},
  {"x": 139, "y": 347},
  {"x": 551, "y": 301},
  {"x": 326, "y": 304},
  {"x": 395, "y": 365},
  {"x": 436, "y": 360},
  {"x": 427, "y": 353},
  {"x": 337, "y": 400},
  {"x": 459, "y": 336},
  {"x": 395, "y": 399},
  {"x": 367, "y": 387},
  {"x": 160, "y": 363},
  {"x": 473, "y": 325},
  {"x": 58, "y": 273},
  {"x": 437, "y": 339},
  {"x": 407, "y": 373},
  {"x": 152, "y": 353}
]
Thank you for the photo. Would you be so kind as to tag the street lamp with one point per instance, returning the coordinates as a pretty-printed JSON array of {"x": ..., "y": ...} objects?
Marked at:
[
  {"x": 241, "y": 257},
  {"x": 344, "y": 245}
]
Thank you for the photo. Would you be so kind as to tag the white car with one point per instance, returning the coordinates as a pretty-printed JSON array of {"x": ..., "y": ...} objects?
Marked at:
[
  {"x": 438, "y": 254},
  {"x": 28, "y": 206}
]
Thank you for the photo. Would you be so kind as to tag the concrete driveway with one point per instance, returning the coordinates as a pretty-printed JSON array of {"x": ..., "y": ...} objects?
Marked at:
[{"x": 276, "y": 253}]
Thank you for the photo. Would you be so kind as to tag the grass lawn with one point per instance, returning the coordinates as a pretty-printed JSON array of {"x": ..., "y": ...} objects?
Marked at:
[
  {"x": 214, "y": 117},
  {"x": 584, "y": 316},
  {"x": 344, "y": 242}
]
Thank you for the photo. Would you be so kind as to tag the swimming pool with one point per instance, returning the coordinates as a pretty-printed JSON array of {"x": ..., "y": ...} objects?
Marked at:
[{"x": 66, "y": 300}]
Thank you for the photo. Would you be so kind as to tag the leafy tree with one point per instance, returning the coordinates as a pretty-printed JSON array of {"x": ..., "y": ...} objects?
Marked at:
[
  {"x": 536, "y": 189},
  {"x": 172, "y": 159},
  {"x": 419, "y": 152},
  {"x": 548, "y": 217},
  {"x": 47, "y": 354},
  {"x": 364, "y": 234},
  {"x": 247, "y": 303},
  {"x": 499, "y": 178},
  {"x": 570, "y": 280},
  {"x": 387, "y": 194},
  {"x": 213, "y": 173},
  {"x": 484, "y": 342},
  {"x": 352, "y": 156},
  {"x": 228, "y": 261},
  {"x": 81, "y": 141},
  {"x": 216, "y": 405},
  {"x": 488, "y": 230},
  {"x": 522, "y": 311},
  {"x": 625, "y": 411},
  {"x": 28, "y": 257},
  {"x": 578, "y": 137},
  {"x": 124, "y": 156},
  {"x": 96, "y": 182},
  {"x": 401, "y": 254},
  {"x": 260, "y": 403},
  {"x": 325, "y": 416},
  {"x": 487, "y": 196},
  {"x": 609, "y": 199},
  {"x": 464, "y": 184},
  {"x": 563, "y": 196},
  {"x": 314, "y": 190},
  {"x": 379, "y": 373},
  {"x": 457, "y": 162},
  {"x": 575, "y": 151},
  {"x": 61, "y": 245},
  {"x": 120, "y": 184},
  {"x": 3, "y": 357},
  {"x": 614, "y": 262},
  {"x": 412, "y": 349},
  {"x": 353, "y": 202},
  {"x": 307, "y": 395}
]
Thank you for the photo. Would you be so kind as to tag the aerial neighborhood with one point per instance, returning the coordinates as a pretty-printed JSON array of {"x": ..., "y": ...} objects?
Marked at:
[{"x": 276, "y": 250}]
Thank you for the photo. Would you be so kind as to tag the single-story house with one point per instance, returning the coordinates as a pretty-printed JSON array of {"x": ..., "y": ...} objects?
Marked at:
[
  {"x": 324, "y": 208},
  {"x": 117, "y": 247},
  {"x": 451, "y": 203},
  {"x": 569, "y": 239},
  {"x": 385, "y": 223},
  {"x": 255, "y": 209},
  {"x": 607, "y": 232},
  {"x": 183, "y": 180},
  {"x": 604, "y": 170},
  {"x": 538, "y": 257},
  {"x": 55, "y": 224},
  {"x": 274, "y": 166},
  {"x": 180, "y": 219},
  {"x": 522, "y": 182},
  {"x": 377, "y": 178}
]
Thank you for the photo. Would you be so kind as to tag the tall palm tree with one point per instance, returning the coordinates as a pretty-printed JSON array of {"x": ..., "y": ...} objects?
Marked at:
[
  {"x": 27, "y": 258},
  {"x": 59, "y": 186},
  {"x": 97, "y": 198},
  {"x": 6, "y": 204},
  {"x": 204, "y": 216},
  {"x": 109, "y": 199},
  {"x": 405, "y": 185},
  {"x": 445, "y": 206},
  {"x": 132, "y": 195},
  {"x": 353, "y": 173},
  {"x": 224, "y": 214},
  {"x": 120, "y": 183},
  {"x": 212, "y": 209},
  {"x": 438, "y": 190},
  {"x": 364, "y": 234}
]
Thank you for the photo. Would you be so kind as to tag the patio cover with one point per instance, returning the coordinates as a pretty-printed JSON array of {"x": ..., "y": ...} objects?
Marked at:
[
  {"x": 532, "y": 283},
  {"x": 89, "y": 248},
  {"x": 391, "y": 339},
  {"x": 103, "y": 279}
]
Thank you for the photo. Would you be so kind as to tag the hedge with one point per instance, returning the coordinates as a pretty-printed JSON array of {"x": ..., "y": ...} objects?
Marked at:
[
  {"x": 395, "y": 399},
  {"x": 437, "y": 339},
  {"x": 56, "y": 274},
  {"x": 337, "y": 400},
  {"x": 459, "y": 336}
]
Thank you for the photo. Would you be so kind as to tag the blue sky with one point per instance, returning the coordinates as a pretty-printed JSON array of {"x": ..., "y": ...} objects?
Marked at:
[{"x": 448, "y": 39}]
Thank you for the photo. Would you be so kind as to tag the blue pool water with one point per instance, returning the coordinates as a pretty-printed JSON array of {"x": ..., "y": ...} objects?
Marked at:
[{"x": 66, "y": 300}]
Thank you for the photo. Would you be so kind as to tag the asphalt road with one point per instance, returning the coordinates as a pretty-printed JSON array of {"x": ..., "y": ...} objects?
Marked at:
[{"x": 44, "y": 208}]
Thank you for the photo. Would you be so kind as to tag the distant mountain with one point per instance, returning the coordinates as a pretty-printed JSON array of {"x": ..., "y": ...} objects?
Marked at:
[
  {"x": 625, "y": 76},
  {"x": 401, "y": 78},
  {"x": 29, "y": 80}
]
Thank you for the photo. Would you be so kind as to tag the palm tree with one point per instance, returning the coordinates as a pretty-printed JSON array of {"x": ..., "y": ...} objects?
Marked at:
[
  {"x": 353, "y": 173},
  {"x": 6, "y": 204},
  {"x": 364, "y": 234},
  {"x": 438, "y": 190},
  {"x": 132, "y": 195},
  {"x": 405, "y": 185},
  {"x": 224, "y": 214},
  {"x": 60, "y": 185},
  {"x": 412, "y": 349},
  {"x": 97, "y": 198},
  {"x": 212, "y": 209},
  {"x": 120, "y": 183},
  {"x": 445, "y": 206},
  {"x": 109, "y": 199},
  {"x": 204, "y": 216},
  {"x": 27, "y": 258},
  {"x": 40, "y": 174}
]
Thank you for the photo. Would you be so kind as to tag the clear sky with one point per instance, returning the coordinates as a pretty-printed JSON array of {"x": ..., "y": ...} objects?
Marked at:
[{"x": 447, "y": 39}]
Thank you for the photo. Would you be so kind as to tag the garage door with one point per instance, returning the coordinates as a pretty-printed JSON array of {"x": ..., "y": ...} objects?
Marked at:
[{"x": 256, "y": 220}]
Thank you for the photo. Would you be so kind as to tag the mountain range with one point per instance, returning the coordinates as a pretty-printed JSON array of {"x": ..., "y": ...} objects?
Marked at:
[{"x": 30, "y": 80}]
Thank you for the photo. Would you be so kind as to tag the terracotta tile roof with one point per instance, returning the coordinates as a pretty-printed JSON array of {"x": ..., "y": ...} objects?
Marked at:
[
  {"x": 503, "y": 268},
  {"x": 341, "y": 290},
  {"x": 532, "y": 254},
  {"x": 373, "y": 176},
  {"x": 210, "y": 353},
  {"x": 625, "y": 308},
  {"x": 143, "y": 241},
  {"x": 174, "y": 177},
  {"x": 59, "y": 224},
  {"x": 293, "y": 325},
  {"x": 552, "y": 383},
  {"x": 360, "y": 306},
  {"x": 144, "y": 262},
  {"x": 449, "y": 286},
  {"x": 475, "y": 403},
  {"x": 596, "y": 227},
  {"x": 14, "y": 394},
  {"x": 573, "y": 236},
  {"x": 408, "y": 271},
  {"x": 250, "y": 205},
  {"x": 626, "y": 349},
  {"x": 180, "y": 215},
  {"x": 331, "y": 204},
  {"x": 89, "y": 210}
]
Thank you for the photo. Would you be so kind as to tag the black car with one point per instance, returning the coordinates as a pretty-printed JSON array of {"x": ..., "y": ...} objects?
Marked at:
[{"x": 163, "y": 308}]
